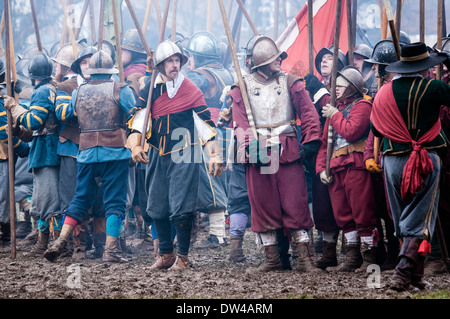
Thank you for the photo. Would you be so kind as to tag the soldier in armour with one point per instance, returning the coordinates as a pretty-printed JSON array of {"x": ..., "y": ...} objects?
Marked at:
[
  {"x": 361, "y": 53},
  {"x": 172, "y": 172},
  {"x": 102, "y": 107},
  {"x": 210, "y": 76},
  {"x": 274, "y": 172},
  {"x": 350, "y": 187}
]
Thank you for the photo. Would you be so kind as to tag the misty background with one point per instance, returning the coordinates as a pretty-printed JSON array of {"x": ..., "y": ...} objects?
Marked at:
[{"x": 269, "y": 16}]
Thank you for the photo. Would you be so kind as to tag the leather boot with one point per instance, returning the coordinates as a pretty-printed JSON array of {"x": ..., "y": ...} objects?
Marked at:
[
  {"x": 369, "y": 255},
  {"x": 353, "y": 258},
  {"x": 393, "y": 249},
  {"x": 164, "y": 261},
  {"x": 328, "y": 258},
  {"x": 305, "y": 263},
  {"x": 273, "y": 259},
  {"x": 417, "y": 275},
  {"x": 111, "y": 253},
  {"x": 99, "y": 236},
  {"x": 59, "y": 245},
  {"x": 408, "y": 259},
  {"x": 23, "y": 229},
  {"x": 41, "y": 245},
  {"x": 181, "y": 263},
  {"x": 236, "y": 251},
  {"x": 79, "y": 242}
]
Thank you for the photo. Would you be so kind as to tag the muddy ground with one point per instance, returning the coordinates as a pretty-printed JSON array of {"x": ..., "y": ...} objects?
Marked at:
[{"x": 212, "y": 276}]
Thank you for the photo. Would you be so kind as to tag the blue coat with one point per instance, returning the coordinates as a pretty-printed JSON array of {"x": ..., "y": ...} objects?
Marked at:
[
  {"x": 43, "y": 147},
  {"x": 20, "y": 148}
]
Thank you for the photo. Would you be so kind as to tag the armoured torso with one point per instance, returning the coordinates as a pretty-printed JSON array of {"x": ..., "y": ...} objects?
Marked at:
[
  {"x": 102, "y": 122},
  {"x": 271, "y": 106},
  {"x": 97, "y": 109}
]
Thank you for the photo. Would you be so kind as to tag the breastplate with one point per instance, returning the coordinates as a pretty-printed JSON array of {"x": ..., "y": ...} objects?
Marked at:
[
  {"x": 340, "y": 142},
  {"x": 96, "y": 108},
  {"x": 271, "y": 106}
]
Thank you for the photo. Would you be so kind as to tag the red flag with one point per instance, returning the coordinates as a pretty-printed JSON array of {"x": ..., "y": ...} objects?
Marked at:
[{"x": 294, "y": 39}]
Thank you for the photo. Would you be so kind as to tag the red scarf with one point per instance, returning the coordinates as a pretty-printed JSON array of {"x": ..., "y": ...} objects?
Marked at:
[
  {"x": 388, "y": 121},
  {"x": 187, "y": 97}
]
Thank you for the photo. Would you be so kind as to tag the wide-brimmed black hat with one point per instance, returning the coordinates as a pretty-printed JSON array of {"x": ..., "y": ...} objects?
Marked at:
[{"x": 415, "y": 58}]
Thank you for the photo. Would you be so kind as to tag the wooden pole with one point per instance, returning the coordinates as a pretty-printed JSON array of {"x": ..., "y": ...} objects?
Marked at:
[
  {"x": 118, "y": 43},
  {"x": 247, "y": 16},
  {"x": 276, "y": 17},
  {"x": 154, "y": 74},
  {"x": 101, "y": 25},
  {"x": 92, "y": 20},
  {"x": 439, "y": 36},
  {"x": 138, "y": 27},
  {"x": 237, "y": 69},
  {"x": 146, "y": 16},
  {"x": 82, "y": 16},
  {"x": 422, "y": 20},
  {"x": 71, "y": 35},
  {"x": 36, "y": 26},
  {"x": 349, "y": 31},
  {"x": 158, "y": 14},
  {"x": 337, "y": 30},
  {"x": 398, "y": 16},
  {"x": 310, "y": 37},
  {"x": 390, "y": 17},
  {"x": 11, "y": 168},
  {"x": 174, "y": 20},
  {"x": 2, "y": 27}
]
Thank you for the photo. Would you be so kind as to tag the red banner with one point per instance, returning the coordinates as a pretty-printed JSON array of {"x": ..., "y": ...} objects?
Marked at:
[{"x": 294, "y": 39}]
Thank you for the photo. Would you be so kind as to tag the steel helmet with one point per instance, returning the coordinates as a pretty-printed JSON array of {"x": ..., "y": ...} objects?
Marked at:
[
  {"x": 383, "y": 53},
  {"x": 165, "y": 50},
  {"x": 40, "y": 67},
  {"x": 101, "y": 63},
  {"x": 30, "y": 52},
  {"x": 204, "y": 44},
  {"x": 265, "y": 51},
  {"x": 87, "y": 52},
  {"x": 109, "y": 48},
  {"x": 2, "y": 66},
  {"x": 354, "y": 78},
  {"x": 131, "y": 41},
  {"x": 65, "y": 55}
]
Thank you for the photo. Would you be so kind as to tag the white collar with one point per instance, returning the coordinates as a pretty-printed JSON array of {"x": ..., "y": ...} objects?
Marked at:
[
  {"x": 407, "y": 75},
  {"x": 172, "y": 86}
]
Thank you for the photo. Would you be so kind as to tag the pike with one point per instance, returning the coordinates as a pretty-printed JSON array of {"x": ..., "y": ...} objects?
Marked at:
[
  {"x": 154, "y": 74},
  {"x": 36, "y": 26},
  {"x": 71, "y": 34},
  {"x": 101, "y": 24},
  {"x": 174, "y": 20},
  {"x": 337, "y": 30},
  {"x": 349, "y": 31},
  {"x": 247, "y": 16},
  {"x": 310, "y": 37},
  {"x": 9, "y": 129},
  {"x": 117, "y": 37},
  {"x": 238, "y": 69},
  {"x": 146, "y": 16},
  {"x": 82, "y": 16}
]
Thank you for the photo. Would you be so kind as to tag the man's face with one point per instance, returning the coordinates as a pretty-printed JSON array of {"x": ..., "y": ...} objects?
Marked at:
[
  {"x": 126, "y": 56},
  {"x": 84, "y": 65},
  {"x": 326, "y": 66},
  {"x": 340, "y": 91},
  {"x": 358, "y": 62},
  {"x": 275, "y": 66},
  {"x": 172, "y": 67}
]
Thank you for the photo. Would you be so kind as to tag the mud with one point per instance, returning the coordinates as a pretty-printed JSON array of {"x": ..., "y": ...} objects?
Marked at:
[{"x": 212, "y": 276}]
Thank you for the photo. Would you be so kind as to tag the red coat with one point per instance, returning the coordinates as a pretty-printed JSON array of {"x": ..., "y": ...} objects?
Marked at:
[{"x": 351, "y": 129}]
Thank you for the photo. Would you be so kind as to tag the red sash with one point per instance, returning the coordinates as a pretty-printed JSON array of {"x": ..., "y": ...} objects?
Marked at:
[
  {"x": 188, "y": 97},
  {"x": 388, "y": 121}
]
